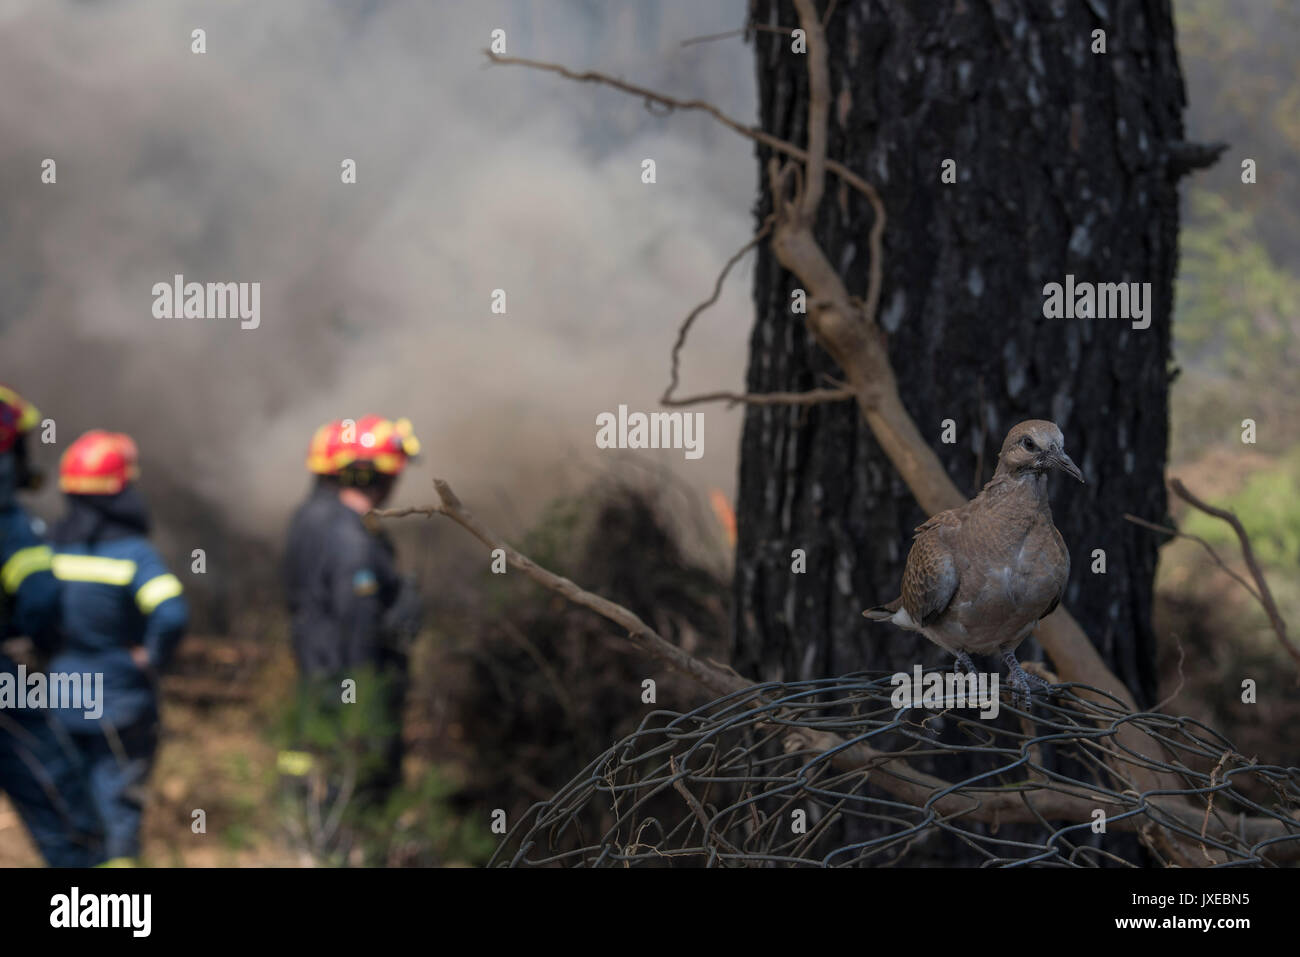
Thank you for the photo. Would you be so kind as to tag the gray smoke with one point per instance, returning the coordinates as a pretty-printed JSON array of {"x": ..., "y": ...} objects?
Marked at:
[{"x": 375, "y": 297}]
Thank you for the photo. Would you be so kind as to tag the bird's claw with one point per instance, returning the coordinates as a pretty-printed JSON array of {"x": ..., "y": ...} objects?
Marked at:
[
  {"x": 1024, "y": 684},
  {"x": 963, "y": 663}
]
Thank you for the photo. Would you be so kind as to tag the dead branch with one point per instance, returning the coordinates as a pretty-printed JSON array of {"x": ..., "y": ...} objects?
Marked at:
[
  {"x": 1182, "y": 679},
  {"x": 811, "y": 397},
  {"x": 684, "y": 331},
  {"x": 715, "y": 679},
  {"x": 744, "y": 31},
  {"x": 1265, "y": 595},
  {"x": 1175, "y": 533},
  {"x": 673, "y": 103},
  {"x": 697, "y": 809}
]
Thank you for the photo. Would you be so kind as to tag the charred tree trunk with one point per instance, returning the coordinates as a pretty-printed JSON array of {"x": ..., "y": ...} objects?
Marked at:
[{"x": 1063, "y": 166}]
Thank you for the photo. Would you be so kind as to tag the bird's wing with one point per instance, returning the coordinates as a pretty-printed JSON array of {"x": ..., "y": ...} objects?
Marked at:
[
  {"x": 930, "y": 578},
  {"x": 1065, "y": 578},
  {"x": 948, "y": 519}
]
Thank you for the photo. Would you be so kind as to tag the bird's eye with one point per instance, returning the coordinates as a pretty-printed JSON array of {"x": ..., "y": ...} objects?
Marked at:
[{"x": 1029, "y": 445}]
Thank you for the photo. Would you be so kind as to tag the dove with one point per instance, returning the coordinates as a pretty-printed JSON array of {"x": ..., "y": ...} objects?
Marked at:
[{"x": 979, "y": 577}]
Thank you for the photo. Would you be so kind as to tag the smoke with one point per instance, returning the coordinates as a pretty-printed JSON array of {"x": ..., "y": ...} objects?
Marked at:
[{"x": 225, "y": 167}]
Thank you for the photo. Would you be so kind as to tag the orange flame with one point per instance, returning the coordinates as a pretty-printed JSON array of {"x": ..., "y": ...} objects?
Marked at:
[{"x": 725, "y": 513}]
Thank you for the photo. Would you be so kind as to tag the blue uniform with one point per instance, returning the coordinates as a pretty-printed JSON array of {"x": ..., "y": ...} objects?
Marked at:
[
  {"x": 352, "y": 615},
  {"x": 38, "y": 764},
  {"x": 117, "y": 594}
]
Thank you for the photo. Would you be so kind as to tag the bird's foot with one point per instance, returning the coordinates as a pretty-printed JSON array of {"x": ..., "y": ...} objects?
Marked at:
[
  {"x": 964, "y": 663},
  {"x": 1023, "y": 684}
]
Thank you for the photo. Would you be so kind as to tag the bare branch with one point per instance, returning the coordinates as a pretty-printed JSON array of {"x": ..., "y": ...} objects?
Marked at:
[
  {"x": 697, "y": 809},
  {"x": 819, "y": 108},
  {"x": 673, "y": 103},
  {"x": 811, "y": 397},
  {"x": 716, "y": 680},
  {"x": 1200, "y": 541},
  {"x": 1182, "y": 679},
  {"x": 696, "y": 312},
  {"x": 761, "y": 27},
  {"x": 1265, "y": 596}
]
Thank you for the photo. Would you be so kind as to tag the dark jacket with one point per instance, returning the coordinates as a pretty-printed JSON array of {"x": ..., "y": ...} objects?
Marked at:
[
  {"x": 29, "y": 594},
  {"x": 345, "y": 596},
  {"x": 117, "y": 594}
]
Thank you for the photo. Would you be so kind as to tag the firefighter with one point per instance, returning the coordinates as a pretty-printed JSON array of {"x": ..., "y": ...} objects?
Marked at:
[
  {"x": 352, "y": 614},
  {"x": 38, "y": 766},
  {"x": 123, "y": 615}
]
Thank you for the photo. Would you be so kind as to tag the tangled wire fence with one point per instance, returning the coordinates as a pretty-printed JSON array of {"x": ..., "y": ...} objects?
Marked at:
[{"x": 723, "y": 785}]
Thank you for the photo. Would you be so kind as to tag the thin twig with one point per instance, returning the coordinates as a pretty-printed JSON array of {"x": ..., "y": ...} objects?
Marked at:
[
  {"x": 811, "y": 397},
  {"x": 1209, "y": 804},
  {"x": 764, "y": 27},
  {"x": 697, "y": 809},
  {"x": 715, "y": 680},
  {"x": 1265, "y": 596},
  {"x": 819, "y": 103},
  {"x": 1181, "y": 678},
  {"x": 1200, "y": 541},
  {"x": 684, "y": 330},
  {"x": 674, "y": 103}
]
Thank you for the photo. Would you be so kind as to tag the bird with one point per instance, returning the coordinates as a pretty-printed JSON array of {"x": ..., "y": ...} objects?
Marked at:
[{"x": 979, "y": 577}]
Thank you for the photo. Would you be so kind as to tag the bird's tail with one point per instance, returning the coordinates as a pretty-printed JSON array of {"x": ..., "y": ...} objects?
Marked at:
[{"x": 884, "y": 612}]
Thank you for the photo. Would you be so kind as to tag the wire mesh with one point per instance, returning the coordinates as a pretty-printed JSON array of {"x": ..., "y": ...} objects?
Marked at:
[{"x": 724, "y": 785}]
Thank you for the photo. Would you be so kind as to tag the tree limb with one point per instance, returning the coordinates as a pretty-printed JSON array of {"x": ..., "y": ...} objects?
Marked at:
[
  {"x": 811, "y": 397},
  {"x": 1265, "y": 595},
  {"x": 717, "y": 680},
  {"x": 1176, "y": 533}
]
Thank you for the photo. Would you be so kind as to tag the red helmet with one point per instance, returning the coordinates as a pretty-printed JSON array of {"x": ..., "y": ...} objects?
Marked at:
[
  {"x": 384, "y": 445},
  {"x": 99, "y": 463},
  {"x": 17, "y": 416}
]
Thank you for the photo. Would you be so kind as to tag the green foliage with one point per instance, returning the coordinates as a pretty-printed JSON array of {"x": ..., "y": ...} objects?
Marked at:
[
  {"x": 419, "y": 827},
  {"x": 1237, "y": 310},
  {"x": 552, "y": 539},
  {"x": 1238, "y": 57},
  {"x": 1236, "y": 333},
  {"x": 549, "y": 543},
  {"x": 1269, "y": 509},
  {"x": 348, "y": 807}
]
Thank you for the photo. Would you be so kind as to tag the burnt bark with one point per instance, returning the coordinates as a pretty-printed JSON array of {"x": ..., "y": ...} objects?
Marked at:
[{"x": 1063, "y": 167}]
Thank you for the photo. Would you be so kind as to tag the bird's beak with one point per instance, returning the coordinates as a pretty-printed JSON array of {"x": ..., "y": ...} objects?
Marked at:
[{"x": 1059, "y": 460}]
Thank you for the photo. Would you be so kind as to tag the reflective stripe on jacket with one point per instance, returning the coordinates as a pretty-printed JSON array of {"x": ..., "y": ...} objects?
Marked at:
[{"x": 117, "y": 594}]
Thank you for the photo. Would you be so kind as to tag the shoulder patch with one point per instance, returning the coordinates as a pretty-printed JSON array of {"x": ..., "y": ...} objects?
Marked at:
[{"x": 364, "y": 582}]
